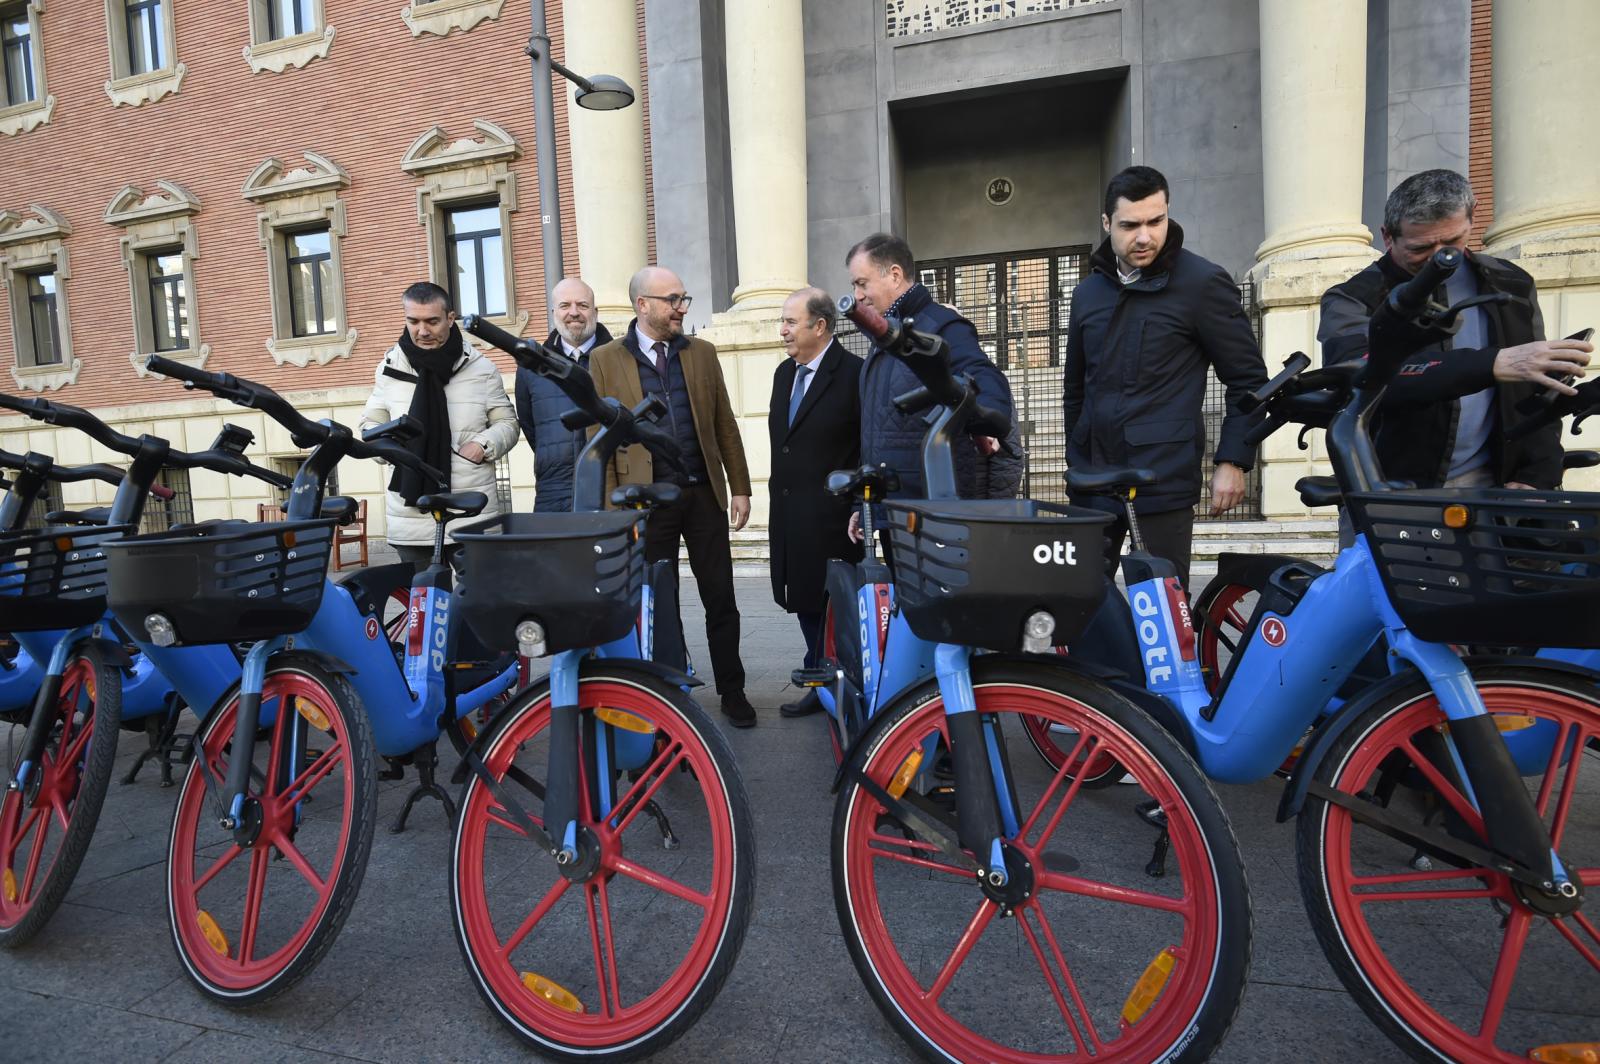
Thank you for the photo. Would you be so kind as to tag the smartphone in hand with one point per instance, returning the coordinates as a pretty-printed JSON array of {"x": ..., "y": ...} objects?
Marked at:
[{"x": 1533, "y": 404}]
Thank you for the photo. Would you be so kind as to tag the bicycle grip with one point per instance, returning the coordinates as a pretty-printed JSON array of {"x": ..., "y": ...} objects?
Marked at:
[
  {"x": 866, "y": 318},
  {"x": 576, "y": 419},
  {"x": 1263, "y": 428},
  {"x": 1409, "y": 298},
  {"x": 917, "y": 399},
  {"x": 987, "y": 421}
]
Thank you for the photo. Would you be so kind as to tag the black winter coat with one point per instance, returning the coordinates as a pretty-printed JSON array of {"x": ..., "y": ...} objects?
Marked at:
[
  {"x": 1135, "y": 377},
  {"x": 540, "y": 405},
  {"x": 807, "y": 525},
  {"x": 1415, "y": 423},
  {"x": 895, "y": 439}
]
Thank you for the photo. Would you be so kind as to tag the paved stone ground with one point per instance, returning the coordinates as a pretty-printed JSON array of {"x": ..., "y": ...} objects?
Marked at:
[{"x": 102, "y": 981}]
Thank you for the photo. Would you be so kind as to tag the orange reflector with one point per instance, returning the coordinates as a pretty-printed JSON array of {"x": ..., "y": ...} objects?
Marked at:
[
  {"x": 626, "y": 721},
  {"x": 1513, "y": 721},
  {"x": 1131, "y": 493},
  {"x": 1149, "y": 987},
  {"x": 904, "y": 775},
  {"x": 214, "y": 936},
  {"x": 1456, "y": 516},
  {"x": 468, "y": 728},
  {"x": 8, "y": 883},
  {"x": 63, "y": 543},
  {"x": 286, "y": 538},
  {"x": 911, "y": 522},
  {"x": 313, "y": 714},
  {"x": 553, "y": 992},
  {"x": 1568, "y": 1053}
]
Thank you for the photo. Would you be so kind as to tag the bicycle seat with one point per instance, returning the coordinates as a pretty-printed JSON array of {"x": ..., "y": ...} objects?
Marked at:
[
  {"x": 1580, "y": 459},
  {"x": 99, "y": 515},
  {"x": 462, "y": 503},
  {"x": 645, "y": 496},
  {"x": 341, "y": 508},
  {"x": 877, "y": 480},
  {"x": 1319, "y": 491},
  {"x": 1107, "y": 481}
]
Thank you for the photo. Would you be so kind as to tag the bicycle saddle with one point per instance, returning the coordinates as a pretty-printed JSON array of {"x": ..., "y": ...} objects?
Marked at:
[
  {"x": 1108, "y": 480},
  {"x": 1580, "y": 459},
  {"x": 878, "y": 480},
  {"x": 99, "y": 515},
  {"x": 461, "y": 503},
  {"x": 1319, "y": 491},
  {"x": 645, "y": 496}
]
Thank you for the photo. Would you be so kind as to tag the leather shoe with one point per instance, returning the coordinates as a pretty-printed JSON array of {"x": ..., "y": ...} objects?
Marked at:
[
  {"x": 737, "y": 708},
  {"x": 807, "y": 705}
]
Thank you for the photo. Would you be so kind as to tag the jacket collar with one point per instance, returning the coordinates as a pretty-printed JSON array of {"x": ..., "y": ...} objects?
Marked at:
[
  {"x": 911, "y": 300},
  {"x": 1153, "y": 276}
]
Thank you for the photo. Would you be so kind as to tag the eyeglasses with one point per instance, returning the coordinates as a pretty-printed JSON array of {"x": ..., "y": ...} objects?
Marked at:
[{"x": 677, "y": 301}]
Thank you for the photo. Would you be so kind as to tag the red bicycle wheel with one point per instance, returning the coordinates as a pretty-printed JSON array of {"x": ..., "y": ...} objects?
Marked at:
[
  {"x": 46, "y": 826},
  {"x": 1083, "y": 956},
  {"x": 1055, "y": 742},
  {"x": 1223, "y": 611},
  {"x": 1453, "y": 961},
  {"x": 620, "y": 956},
  {"x": 251, "y": 918},
  {"x": 830, "y": 652}
]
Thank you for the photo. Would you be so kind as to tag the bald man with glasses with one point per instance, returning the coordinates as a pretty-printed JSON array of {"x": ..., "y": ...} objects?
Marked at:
[{"x": 655, "y": 357}]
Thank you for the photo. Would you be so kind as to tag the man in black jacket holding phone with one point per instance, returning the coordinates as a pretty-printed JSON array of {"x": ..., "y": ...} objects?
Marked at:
[
  {"x": 1146, "y": 323},
  {"x": 1442, "y": 418}
]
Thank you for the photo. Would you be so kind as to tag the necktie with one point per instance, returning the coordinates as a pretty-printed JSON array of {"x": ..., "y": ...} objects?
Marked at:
[
  {"x": 661, "y": 364},
  {"x": 799, "y": 392}
]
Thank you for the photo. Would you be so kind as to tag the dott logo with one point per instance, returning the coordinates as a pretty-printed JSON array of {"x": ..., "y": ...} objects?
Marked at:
[
  {"x": 1275, "y": 632},
  {"x": 1056, "y": 553}
]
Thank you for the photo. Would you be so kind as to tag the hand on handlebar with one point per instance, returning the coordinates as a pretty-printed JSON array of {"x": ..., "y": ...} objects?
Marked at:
[{"x": 1544, "y": 362}]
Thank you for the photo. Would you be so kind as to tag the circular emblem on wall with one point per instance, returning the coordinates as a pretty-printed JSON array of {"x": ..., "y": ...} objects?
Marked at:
[
  {"x": 372, "y": 628},
  {"x": 1274, "y": 631},
  {"x": 1000, "y": 191}
]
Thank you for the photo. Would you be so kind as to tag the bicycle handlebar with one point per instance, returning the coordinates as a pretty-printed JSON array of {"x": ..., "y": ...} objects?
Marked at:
[
  {"x": 1584, "y": 405},
  {"x": 1401, "y": 324}
]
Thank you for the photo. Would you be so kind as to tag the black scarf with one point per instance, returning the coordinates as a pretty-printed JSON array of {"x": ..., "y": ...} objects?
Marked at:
[{"x": 435, "y": 444}]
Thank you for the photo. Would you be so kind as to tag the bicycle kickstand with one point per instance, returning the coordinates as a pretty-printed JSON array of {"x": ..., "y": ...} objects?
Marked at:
[
  {"x": 1152, "y": 813},
  {"x": 425, "y": 760}
]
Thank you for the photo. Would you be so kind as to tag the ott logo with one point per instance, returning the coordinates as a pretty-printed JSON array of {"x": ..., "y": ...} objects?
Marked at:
[{"x": 1056, "y": 553}]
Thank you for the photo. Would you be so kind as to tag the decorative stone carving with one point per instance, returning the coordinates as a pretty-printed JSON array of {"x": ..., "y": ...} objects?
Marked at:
[
  {"x": 440, "y": 17},
  {"x": 145, "y": 88},
  {"x": 26, "y": 116},
  {"x": 271, "y": 180},
  {"x": 289, "y": 52},
  {"x": 435, "y": 151}
]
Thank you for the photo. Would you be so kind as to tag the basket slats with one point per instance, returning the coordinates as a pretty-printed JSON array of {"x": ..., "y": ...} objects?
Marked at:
[{"x": 48, "y": 587}]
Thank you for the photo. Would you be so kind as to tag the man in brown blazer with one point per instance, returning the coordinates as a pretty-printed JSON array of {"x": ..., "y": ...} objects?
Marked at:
[{"x": 653, "y": 355}]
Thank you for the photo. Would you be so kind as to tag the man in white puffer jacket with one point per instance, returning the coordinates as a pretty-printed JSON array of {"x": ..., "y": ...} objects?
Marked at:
[{"x": 458, "y": 395}]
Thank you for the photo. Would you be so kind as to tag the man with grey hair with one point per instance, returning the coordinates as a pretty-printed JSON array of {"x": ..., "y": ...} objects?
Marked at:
[
  {"x": 814, "y": 424},
  {"x": 540, "y": 403},
  {"x": 1442, "y": 420}
]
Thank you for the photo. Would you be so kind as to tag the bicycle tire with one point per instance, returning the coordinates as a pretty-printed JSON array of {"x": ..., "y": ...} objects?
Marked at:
[
  {"x": 1423, "y": 1005},
  {"x": 665, "y": 1012},
  {"x": 306, "y": 836},
  {"x": 1187, "y": 1014},
  {"x": 79, "y": 780}
]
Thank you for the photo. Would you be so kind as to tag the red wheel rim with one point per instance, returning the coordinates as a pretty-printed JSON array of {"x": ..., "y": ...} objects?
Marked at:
[
  {"x": 585, "y": 937},
  {"x": 394, "y": 627},
  {"x": 1225, "y": 625},
  {"x": 1072, "y": 1008},
  {"x": 1374, "y": 901},
  {"x": 34, "y": 823},
  {"x": 295, "y": 867}
]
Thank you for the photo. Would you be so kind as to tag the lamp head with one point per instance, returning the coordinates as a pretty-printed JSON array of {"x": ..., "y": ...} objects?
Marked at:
[{"x": 604, "y": 93}]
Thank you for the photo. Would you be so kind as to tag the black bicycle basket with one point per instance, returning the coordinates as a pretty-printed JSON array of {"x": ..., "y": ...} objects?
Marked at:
[
  {"x": 55, "y": 578},
  {"x": 578, "y": 575},
  {"x": 972, "y": 571},
  {"x": 1488, "y": 566},
  {"x": 223, "y": 581}
]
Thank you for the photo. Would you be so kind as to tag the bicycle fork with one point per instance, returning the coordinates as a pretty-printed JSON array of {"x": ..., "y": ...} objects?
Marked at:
[
  {"x": 241, "y": 756},
  {"x": 561, "y": 780},
  {"x": 985, "y": 812},
  {"x": 43, "y": 717}
]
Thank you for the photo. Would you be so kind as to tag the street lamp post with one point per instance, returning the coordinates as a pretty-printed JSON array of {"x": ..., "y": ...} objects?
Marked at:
[{"x": 602, "y": 92}]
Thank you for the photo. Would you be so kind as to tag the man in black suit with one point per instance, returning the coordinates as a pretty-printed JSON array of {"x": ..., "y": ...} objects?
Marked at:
[{"x": 815, "y": 428}]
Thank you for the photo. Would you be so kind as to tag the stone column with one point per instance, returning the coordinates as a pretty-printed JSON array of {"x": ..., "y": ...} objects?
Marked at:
[
  {"x": 608, "y": 176},
  {"x": 1313, "y": 116},
  {"x": 767, "y": 131},
  {"x": 1547, "y": 165}
]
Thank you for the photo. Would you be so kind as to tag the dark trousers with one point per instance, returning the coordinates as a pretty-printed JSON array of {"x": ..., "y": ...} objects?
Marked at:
[
  {"x": 1168, "y": 535},
  {"x": 811, "y": 628},
  {"x": 700, "y": 522}
]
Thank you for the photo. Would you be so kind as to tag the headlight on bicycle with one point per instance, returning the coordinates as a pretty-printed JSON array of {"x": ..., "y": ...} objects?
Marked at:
[
  {"x": 1036, "y": 632},
  {"x": 158, "y": 626},
  {"x": 530, "y": 639}
]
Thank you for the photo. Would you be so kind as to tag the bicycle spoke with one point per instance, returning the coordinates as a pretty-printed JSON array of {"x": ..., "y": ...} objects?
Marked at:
[
  {"x": 611, "y": 944},
  {"x": 222, "y": 862},
  {"x": 314, "y": 774},
  {"x": 1235, "y": 618},
  {"x": 34, "y": 855},
  {"x": 1066, "y": 800},
  {"x": 660, "y": 882},
  {"x": 1558, "y": 824},
  {"x": 1066, "y": 974},
  {"x": 1399, "y": 878},
  {"x": 1050, "y": 979},
  {"x": 1055, "y": 781},
  {"x": 958, "y": 956},
  {"x": 75, "y": 751},
  {"x": 599, "y": 965},
  {"x": 655, "y": 775},
  {"x": 495, "y": 818},
  {"x": 252, "y": 904},
  {"x": 546, "y": 903},
  {"x": 1447, "y": 790},
  {"x": 298, "y": 859},
  {"x": 1551, "y": 767},
  {"x": 914, "y": 861},
  {"x": 1505, "y": 974},
  {"x": 1107, "y": 892},
  {"x": 1583, "y": 951},
  {"x": 62, "y": 816}
]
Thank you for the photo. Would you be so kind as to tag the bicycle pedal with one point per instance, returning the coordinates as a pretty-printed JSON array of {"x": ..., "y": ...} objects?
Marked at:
[{"x": 818, "y": 677}]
